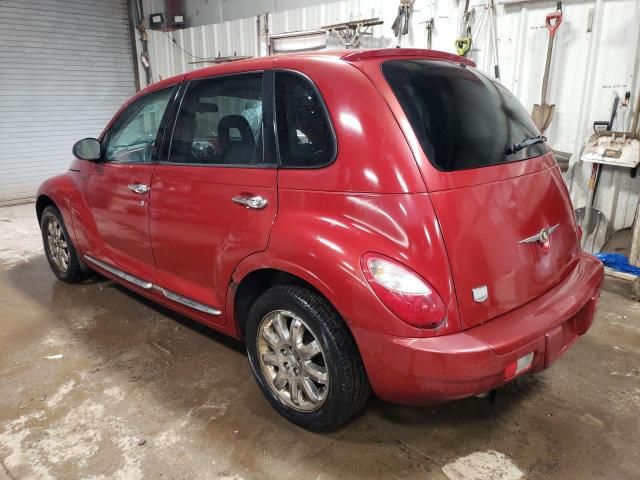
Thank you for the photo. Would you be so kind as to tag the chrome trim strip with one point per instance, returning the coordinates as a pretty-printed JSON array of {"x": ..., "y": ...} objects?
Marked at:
[
  {"x": 187, "y": 301},
  {"x": 119, "y": 273},
  {"x": 541, "y": 236},
  {"x": 148, "y": 285}
]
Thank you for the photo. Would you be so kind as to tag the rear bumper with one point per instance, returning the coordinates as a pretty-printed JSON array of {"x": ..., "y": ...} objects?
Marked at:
[{"x": 422, "y": 371}]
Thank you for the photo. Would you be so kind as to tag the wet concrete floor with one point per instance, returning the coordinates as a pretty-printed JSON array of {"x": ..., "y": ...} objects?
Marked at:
[{"x": 96, "y": 382}]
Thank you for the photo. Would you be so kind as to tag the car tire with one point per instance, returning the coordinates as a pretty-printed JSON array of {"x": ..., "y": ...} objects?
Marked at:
[
  {"x": 304, "y": 399},
  {"x": 58, "y": 247}
]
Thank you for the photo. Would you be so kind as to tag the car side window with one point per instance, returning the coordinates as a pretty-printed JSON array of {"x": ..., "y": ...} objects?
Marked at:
[
  {"x": 132, "y": 136},
  {"x": 220, "y": 122},
  {"x": 305, "y": 135}
]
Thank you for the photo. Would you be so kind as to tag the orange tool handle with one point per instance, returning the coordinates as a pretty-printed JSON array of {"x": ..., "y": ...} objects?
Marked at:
[{"x": 553, "y": 21}]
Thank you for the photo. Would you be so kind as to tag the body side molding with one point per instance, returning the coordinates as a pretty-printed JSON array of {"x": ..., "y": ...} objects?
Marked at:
[{"x": 148, "y": 286}]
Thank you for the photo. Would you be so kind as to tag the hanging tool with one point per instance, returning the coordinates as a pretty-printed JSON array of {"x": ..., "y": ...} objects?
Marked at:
[
  {"x": 351, "y": 33},
  {"x": 463, "y": 42},
  {"x": 494, "y": 37},
  {"x": 543, "y": 113},
  {"x": 592, "y": 221},
  {"x": 400, "y": 25},
  {"x": 614, "y": 110},
  {"x": 430, "y": 26},
  {"x": 622, "y": 119}
]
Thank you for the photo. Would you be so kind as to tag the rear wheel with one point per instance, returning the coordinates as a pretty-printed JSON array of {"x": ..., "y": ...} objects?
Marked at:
[
  {"x": 58, "y": 247},
  {"x": 305, "y": 359}
]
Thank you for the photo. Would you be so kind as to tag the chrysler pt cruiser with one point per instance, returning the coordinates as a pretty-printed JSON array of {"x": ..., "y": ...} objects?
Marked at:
[{"x": 384, "y": 220}]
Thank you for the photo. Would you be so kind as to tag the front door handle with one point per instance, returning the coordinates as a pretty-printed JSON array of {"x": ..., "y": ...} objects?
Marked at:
[
  {"x": 256, "y": 201},
  {"x": 138, "y": 188}
]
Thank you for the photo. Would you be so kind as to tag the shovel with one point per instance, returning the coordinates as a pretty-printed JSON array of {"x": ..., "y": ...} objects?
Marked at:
[
  {"x": 543, "y": 112},
  {"x": 593, "y": 222}
]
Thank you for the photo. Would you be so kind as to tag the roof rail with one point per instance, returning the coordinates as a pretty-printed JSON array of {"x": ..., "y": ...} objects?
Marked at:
[{"x": 405, "y": 52}]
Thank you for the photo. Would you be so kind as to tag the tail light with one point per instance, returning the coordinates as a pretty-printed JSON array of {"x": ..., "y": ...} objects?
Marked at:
[
  {"x": 404, "y": 292},
  {"x": 579, "y": 232}
]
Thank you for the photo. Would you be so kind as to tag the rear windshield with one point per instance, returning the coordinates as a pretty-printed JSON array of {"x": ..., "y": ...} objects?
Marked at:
[{"x": 462, "y": 118}]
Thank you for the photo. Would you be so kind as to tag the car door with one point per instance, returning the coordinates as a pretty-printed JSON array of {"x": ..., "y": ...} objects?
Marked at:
[
  {"x": 116, "y": 189},
  {"x": 214, "y": 198}
]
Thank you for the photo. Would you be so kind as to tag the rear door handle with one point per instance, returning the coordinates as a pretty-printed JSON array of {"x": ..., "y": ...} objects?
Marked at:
[
  {"x": 256, "y": 201},
  {"x": 138, "y": 188}
]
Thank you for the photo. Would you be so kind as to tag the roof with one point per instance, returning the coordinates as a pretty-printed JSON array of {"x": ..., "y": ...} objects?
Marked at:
[
  {"x": 358, "y": 55},
  {"x": 351, "y": 56}
]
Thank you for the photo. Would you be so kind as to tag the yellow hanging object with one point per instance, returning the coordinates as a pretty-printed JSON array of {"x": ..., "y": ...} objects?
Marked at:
[{"x": 463, "y": 45}]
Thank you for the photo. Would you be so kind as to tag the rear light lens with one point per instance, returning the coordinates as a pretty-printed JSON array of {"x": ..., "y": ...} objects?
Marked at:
[
  {"x": 518, "y": 366},
  {"x": 579, "y": 231},
  {"x": 404, "y": 292}
]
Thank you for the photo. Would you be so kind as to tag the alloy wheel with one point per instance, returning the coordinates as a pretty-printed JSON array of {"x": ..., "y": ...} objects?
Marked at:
[
  {"x": 292, "y": 361},
  {"x": 57, "y": 242}
]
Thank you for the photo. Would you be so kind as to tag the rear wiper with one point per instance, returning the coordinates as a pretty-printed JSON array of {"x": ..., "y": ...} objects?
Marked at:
[{"x": 516, "y": 147}]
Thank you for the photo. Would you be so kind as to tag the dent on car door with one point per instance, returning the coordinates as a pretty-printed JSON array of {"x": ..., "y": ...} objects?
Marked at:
[
  {"x": 213, "y": 199},
  {"x": 115, "y": 190}
]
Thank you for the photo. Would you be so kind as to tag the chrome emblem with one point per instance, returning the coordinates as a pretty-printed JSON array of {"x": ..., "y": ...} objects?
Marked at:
[
  {"x": 480, "y": 294},
  {"x": 543, "y": 237}
]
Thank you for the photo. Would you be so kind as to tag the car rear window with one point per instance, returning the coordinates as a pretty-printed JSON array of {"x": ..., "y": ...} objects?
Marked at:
[{"x": 462, "y": 118}]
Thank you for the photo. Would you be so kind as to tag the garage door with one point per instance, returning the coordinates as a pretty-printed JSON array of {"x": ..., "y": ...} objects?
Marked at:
[{"x": 65, "y": 68}]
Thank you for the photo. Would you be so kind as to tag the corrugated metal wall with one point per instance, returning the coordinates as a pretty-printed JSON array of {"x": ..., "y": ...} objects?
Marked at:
[
  {"x": 66, "y": 68},
  {"x": 588, "y": 66},
  {"x": 192, "y": 45}
]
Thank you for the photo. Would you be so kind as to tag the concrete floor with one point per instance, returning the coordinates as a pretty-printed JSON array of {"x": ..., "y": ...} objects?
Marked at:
[{"x": 96, "y": 382}]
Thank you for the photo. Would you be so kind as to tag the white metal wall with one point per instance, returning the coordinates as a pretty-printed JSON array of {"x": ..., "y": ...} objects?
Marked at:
[
  {"x": 65, "y": 68},
  {"x": 168, "y": 58},
  {"x": 588, "y": 66}
]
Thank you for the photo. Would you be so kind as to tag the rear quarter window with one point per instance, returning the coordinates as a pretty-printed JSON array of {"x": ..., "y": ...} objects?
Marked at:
[
  {"x": 462, "y": 118},
  {"x": 305, "y": 135}
]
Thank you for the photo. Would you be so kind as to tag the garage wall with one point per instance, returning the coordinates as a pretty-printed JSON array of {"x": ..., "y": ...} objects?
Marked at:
[
  {"x": 592, "y": 59},
  {"x": 65, "y": 67},
  {"x": 205, "y": 12},
  {"x": 192, "y": 45},
  {"x": 587, "y": 67}
]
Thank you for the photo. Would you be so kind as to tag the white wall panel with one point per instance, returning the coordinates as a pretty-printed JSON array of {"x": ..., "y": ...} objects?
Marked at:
[
  {"x": 65, "y": 68},
  {"x": 587, "y": 66},
  {"x": 237, "y": 37}
]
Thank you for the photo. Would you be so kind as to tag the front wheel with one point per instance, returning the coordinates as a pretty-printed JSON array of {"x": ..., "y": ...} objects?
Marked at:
[
  {"x": 58, "y": 248},
  {"x": 304, "y": 358}
]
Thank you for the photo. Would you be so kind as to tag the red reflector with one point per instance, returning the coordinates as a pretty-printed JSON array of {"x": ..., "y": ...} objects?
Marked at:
[
  {"x": 510, "y": 370},
  {"x": 518, "y": 366}
]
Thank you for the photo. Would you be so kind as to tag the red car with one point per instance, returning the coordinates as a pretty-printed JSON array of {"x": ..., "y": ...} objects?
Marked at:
[{"x": 386, "y": 220}]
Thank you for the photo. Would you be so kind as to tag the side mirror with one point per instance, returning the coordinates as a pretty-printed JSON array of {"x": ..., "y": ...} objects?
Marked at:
[{"x": 88, "y": 149}]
